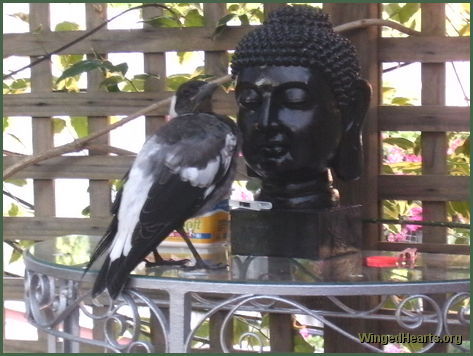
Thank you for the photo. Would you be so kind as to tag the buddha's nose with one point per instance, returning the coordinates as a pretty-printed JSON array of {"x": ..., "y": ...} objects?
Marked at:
[{"x": 266, "y": 117}]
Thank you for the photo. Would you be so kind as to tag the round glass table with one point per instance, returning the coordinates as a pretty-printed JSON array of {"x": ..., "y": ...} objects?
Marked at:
[{"x": 166, "y": 309}]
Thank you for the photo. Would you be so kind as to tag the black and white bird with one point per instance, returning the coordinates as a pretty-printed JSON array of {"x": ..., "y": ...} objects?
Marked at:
[{"x": 183, "y": 170}]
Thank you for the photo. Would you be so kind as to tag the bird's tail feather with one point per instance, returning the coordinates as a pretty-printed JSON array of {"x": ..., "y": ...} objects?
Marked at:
[
  {"x": 104, "y": 243},
  {"x": 111, "y": 277},
  {"x": 118, "y": 274}
]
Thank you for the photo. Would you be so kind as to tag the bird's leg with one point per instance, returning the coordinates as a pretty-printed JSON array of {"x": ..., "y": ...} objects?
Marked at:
[
  {"x": 199, "y": 262},
  {"x": 159, "y": 261}
]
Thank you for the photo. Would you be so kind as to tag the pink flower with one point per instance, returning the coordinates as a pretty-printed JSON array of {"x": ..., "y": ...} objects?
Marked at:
[
  {"x": 413, "y": 158},
  {"x": 399, "y": 237},
  {"x": 415, "y": 215},
  {"x": 395, "y": 348},
  {"x": 454, "y": 145},
  {"x": 304, "y": 333},
  {"x": 395, "y": 155}
]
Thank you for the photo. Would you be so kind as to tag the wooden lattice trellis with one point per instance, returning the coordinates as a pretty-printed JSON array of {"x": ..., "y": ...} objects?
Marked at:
[{"x": 432, "y": 48}]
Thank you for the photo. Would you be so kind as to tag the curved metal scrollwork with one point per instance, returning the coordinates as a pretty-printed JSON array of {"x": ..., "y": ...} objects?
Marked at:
[
  {"x": 411, "y": 313},
  {"x": 459, "y": 305},
  {"x": 50, "y": 302}
]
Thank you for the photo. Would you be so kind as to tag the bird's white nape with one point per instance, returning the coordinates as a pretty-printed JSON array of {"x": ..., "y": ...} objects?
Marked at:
[{"x": 172, "y": 108}]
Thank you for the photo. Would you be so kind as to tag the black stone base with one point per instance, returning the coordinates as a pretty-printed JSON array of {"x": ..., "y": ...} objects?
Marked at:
[{"x": 292, "y": 233}]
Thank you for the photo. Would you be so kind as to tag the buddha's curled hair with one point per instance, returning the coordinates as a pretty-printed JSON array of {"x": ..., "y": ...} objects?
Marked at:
[{"x": 301, "y": 35}]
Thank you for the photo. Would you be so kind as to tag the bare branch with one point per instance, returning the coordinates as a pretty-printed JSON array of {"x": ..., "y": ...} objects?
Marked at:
[
  {"x": 110, "y": 149},
  {"x": 81, "y": 143},
  {"x": 80, "y": 38},
  {"x": 350, "y": 26}
]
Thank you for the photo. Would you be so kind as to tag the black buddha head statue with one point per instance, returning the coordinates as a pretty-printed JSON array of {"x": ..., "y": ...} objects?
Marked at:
[{"x": 301, "y": 107}]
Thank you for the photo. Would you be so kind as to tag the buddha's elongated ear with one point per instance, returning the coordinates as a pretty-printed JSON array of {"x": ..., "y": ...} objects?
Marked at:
[{"x": 348, "y": 160}]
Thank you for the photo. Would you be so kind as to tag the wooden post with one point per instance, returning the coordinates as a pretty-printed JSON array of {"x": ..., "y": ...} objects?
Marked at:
[
  {"x": 216, "y": 63},
  {"x": 434, "y": 144},
  {"x": 42, "y": 132},
  {"x": 365, "y": 190},
  {"x": 42, "y": 128},
  {"x": 155, "y": 64},
  {"x": 99, "y": 190}
]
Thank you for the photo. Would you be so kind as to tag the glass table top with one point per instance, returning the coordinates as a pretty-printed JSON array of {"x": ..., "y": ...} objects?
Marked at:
[{"x": 72, "y": 253}]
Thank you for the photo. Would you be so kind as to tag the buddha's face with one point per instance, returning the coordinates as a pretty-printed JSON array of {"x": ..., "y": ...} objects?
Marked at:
[{"x": 289, "y": 120}]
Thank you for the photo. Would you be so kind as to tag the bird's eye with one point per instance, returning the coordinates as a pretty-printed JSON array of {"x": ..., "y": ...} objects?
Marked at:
[
  {"x": 249, "y": 98},
  {"x": 296, "y": 98}
]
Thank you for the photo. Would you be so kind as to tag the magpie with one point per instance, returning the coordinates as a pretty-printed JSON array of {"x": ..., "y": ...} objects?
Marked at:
[{"x": 183, "y": 170}]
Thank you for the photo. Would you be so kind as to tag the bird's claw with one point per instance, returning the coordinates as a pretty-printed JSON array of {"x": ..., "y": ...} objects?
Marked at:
[{"x": 171, "y": 262}]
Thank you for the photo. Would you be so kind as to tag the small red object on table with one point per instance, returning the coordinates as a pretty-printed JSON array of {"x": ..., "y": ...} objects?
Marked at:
[
  {"x": 405, "y": 258},
  {"x": 381, "y": 261}
]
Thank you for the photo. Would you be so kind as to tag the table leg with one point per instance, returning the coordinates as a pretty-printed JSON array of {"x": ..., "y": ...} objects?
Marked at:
[
  {"x": 180, "y": 309},
  {"x": 71, "y": 322}
]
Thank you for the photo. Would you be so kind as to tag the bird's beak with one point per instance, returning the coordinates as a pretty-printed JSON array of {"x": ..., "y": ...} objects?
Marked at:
[{"x": 205, "y": 93}]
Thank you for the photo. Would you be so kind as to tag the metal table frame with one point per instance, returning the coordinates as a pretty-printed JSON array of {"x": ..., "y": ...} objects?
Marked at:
[{"x": 54, "y": 301}]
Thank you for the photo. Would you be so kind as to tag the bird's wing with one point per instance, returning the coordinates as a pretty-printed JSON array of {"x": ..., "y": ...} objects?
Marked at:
[
  {"x": 109, "y": 235},
  {"x": 171, "y": 179}
]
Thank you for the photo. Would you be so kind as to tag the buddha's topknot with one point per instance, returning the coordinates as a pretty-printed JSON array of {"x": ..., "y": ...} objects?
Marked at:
[{"x": 301, "y": 35}]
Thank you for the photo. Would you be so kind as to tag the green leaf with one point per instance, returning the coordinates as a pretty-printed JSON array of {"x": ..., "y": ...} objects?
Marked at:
[
  {"x": 222, "y": 24},
  {"x": 387, "y": 169},
  {"x": 388, "y": 90},
  {"x": 174, "y": 81},
  {"x": 80, "y": 125},
  {"x": 86, "y": 211},
  {"x": 464, "y": 148},
  {"x": 391, "y": 209},
  {"x": 58, "y": 125},
  {"x": 138, "y": 83},
  {"x": 80, "y": 67},
  {"x": 300, "y": 345},
  {"x": 17, "y": 182},
  {"x": 258, "y": 14},
  {"x": 14, "y": 210},
  {"x": 407, "y": 11},
  {"x": 194, "y": 19},
  {"x": 417, "y": 145},
  {"x": 119, "y": 68},
  {"x": 225, "y": 19},
  {"x": 67, "y": 26},
  {"x": 392, "y": 10},
  {"x": 233, "y": 8},
  {"x": 6, "y": 123},
  {"x": 117, "y": 184},
  {"x": 111, "y": 83},
  {"x": 68, "y": 60},
  {"x": 21, "y": 16},
  {"x": 400, "y": 142},
  {"x": 15, "y": 137},
  {"x": 163, "y": 21},
  {"x": 15, "y": 256},
  {"x": 460, "y": 207},
  {"x": 401, "y": 101},
  {"x": 406, "y": 167},
  {"x": 244, "y": 19},
  {"x": 253, "y": 184},
  {"x": 239, "y": 328},
  {"x": 20, "y": 84},
  {"x": 465, "y": 30}
]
